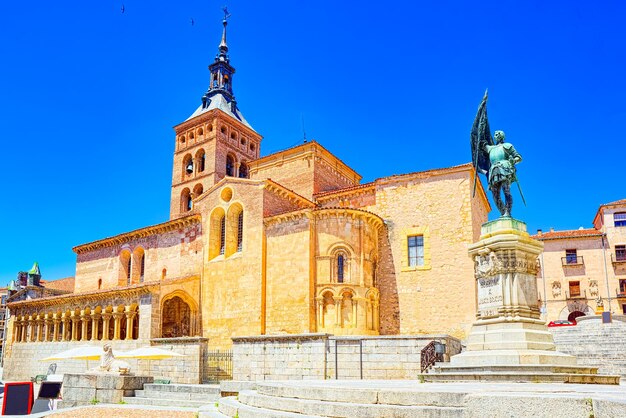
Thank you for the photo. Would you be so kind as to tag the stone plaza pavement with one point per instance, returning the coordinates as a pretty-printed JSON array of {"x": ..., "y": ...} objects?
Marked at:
[{"x": 378, "y": 399}]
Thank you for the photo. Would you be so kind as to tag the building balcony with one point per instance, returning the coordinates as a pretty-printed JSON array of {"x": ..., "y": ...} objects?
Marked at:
[
  {"x": 576, "y": 295},
  {"x": 620, "y": 293},
  {"x": 572, "y": 261},
  {"x": 618, "y": 259}
]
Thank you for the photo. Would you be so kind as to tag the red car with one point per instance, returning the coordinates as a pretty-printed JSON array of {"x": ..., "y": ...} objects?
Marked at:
[{"x": 561, "y": 323}]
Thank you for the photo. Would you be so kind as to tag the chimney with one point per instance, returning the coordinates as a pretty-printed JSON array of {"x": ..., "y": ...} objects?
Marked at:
[
  {"x": 539, "y": 232},
  {"x": 551, "y": 229}
]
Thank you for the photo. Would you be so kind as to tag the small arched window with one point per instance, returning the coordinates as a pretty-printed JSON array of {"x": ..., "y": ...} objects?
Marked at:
[
  {"x": 186, "y": 203},
  {"x": 230, "y": 166},
  {"x": 340, "y": 267},
  {"x": 240, "y": 232},
  {"x": 142, "y": 267},
  {"x": 200, "y": 160},
  {"x": 163, "y": 274},
  {"x": 128, "y": 270},
  {"x": 222, "y": 235},
  {"x": 100, "y": 283},
  {"x": 243, "y": 171}
]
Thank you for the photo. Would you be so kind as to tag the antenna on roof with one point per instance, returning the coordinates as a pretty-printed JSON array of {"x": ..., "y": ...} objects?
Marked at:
[{"x": 303, "y": 130}]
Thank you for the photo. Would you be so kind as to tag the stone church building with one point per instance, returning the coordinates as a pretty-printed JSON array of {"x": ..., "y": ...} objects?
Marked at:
[{"x": 286, "y": 243}]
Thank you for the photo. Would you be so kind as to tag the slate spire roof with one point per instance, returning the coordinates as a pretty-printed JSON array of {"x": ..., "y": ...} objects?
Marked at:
[{"x": 220, "y": 93}]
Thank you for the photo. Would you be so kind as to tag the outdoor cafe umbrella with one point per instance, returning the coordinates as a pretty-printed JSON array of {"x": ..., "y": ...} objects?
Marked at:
[
  {"x": 149, "y": 353},
  {"x": 83, "y": 352}
]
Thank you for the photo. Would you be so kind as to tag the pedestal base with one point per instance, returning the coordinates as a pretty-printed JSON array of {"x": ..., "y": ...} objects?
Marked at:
[{"x": 91, "y": 389}]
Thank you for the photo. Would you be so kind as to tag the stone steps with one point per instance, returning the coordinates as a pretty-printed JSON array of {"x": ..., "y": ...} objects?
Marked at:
[
  {"x": 533, "y": 369},
  {"x": 312, "y": 407},
  {"x": 231, "y": 407},
  {"x": 522, "y": 377},
  {"x": 179, "y": 403},
  {"x": 176, "y": 395}
]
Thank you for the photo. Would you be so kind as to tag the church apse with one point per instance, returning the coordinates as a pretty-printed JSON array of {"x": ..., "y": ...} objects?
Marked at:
[{"x": 346, "y": 297}]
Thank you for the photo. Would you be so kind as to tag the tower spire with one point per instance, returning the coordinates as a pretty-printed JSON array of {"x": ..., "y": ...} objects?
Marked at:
[{"x": 223, "y": 48}]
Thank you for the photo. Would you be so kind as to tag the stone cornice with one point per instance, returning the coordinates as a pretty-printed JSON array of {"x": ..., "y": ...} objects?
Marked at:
[
  {"x": 139, "y": 233},
  {"x": 369, "y": 217},
  {"x": 85, "y": 298},
  {"x": 350, "y": 191},
  {"x": 212, "y": 114},
  {"x": 288, "y": 216},
  {"x": 288, "y": 194}
]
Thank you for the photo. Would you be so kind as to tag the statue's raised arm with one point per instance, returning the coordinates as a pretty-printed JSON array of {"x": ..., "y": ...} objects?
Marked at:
[{"x": 495, "y": 158}]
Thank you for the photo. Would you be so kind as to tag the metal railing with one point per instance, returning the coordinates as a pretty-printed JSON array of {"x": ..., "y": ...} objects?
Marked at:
[
  {"x": 618, "y": 258},
  {"x": 579, "y": 295},
  {"x": 620, "y": 293},
  {"x": 431, "y": 354},
  {"x": 575, "y": 260},
  {"x": 218, "y": 366}
]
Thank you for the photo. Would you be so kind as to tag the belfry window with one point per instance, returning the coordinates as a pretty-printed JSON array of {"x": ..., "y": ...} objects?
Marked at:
[
  {"x": 340, "y": 268},
  {"x": 243, "y": 171},
  {"x": 201, "y": 160},
  {"x": 230, "y": 166},
  {"x": 416, "y": 250},
  {"x": 240, "y": 232},
  {"x": 222, "y": 235}
]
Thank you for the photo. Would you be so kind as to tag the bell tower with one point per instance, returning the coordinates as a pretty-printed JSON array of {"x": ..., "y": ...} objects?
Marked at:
[{"x": 215, "y": 141}]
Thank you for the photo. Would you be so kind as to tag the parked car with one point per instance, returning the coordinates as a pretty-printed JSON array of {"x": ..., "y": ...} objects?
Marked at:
[{"x": 561, "y": 323}]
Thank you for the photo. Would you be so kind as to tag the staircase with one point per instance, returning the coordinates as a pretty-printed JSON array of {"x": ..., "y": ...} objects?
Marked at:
[
  {"x": 595, "y": 344},
  {"x": 175, "y": 395}
]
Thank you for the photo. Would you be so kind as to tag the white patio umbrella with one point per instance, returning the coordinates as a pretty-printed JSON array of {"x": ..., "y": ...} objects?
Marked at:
[
  {"x": 149, "y": 353},
  {"x": 82, "y": 352}
]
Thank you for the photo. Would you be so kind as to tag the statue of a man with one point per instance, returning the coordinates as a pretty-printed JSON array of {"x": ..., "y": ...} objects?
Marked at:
[{"x": 494, "y": 158}]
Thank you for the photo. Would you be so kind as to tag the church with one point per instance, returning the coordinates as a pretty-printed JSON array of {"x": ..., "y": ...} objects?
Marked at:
[{"x": 286, "y": 243}]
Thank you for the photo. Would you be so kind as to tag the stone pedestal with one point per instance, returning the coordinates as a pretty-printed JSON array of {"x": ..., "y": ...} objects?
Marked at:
[
  {"x": 508, "y": 341},
  {"x": 89, "y": 389}
]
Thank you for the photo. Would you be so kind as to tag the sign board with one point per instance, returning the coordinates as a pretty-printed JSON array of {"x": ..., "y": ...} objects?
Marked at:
[
  {"x": 18, "y": 398},
  {"x": 50, "y": 390},
  {"x": 489, "y": 296},
  {"x": 606, "y": 318}
]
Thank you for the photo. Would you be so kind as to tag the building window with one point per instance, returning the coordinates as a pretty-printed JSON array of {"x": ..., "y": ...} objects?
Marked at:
[
  {"x": 340, "y": 265},
  {"x": 574, "y": 289},
  {"x": 222, "y": 235},
  {"x": 622, "y": 286},
  {"x": 243, "y": 171},
  {"x": 230, "y": 166},
  {"x": 620, "y": 253},
  {"x": 200, "y": 160},
  {"x": 240, "y": 232},
  {"x": 571, "y": 257},
  {"x": 128, "y": 270},
  {"x": 416, "y": 250},
  {"x": 619, "y": 219},
  {"x": 142, "y": 267},
  {"x": 99, "y": 283}
]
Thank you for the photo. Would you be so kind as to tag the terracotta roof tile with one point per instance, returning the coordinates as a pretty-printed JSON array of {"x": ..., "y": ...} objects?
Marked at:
[
  {"x": 66, "y": 284},
  {"x": 567, "y": 234}
]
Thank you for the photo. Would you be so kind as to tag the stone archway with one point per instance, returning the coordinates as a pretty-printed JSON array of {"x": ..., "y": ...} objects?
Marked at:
[
  {"x": 176, "y": 318},
  {"x": 573, "y": 315}
]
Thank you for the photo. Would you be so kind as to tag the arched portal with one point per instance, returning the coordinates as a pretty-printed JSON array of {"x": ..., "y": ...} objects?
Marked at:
[
  {"x": 176, "y": 318},
  {"x": 572, "y": 316}
]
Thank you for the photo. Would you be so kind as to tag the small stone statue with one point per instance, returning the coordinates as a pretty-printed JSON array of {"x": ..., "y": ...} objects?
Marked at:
[
  {"x": 494, "y": 158},
  {"x": 108, "y": 364}
]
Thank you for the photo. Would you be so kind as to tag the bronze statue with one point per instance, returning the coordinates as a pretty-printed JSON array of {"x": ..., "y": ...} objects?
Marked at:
[{"x": 496, "y": 159}]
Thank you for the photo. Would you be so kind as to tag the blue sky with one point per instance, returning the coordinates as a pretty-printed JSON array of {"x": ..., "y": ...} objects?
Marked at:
[{"x": 90, "y": 95}]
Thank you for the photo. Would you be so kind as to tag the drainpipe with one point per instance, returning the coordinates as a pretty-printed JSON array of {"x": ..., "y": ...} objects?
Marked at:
[
  {"x": 606, "y": 275},
  {"x": 545, "y": 293}
]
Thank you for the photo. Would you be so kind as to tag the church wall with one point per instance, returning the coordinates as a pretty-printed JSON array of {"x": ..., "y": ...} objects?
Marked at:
[
  {"x": 327, "y": 178},
  {"x": 295, "y": 174},
  {"x": 439, "y": 296},
  {"x": 178, "y": 252},
  {"x": 288, "y": 295},
  {"x": 231, "y": 283}
]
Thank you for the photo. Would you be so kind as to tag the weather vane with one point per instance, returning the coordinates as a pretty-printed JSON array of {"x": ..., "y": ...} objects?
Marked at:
[{"x": 226, "y": 14}]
